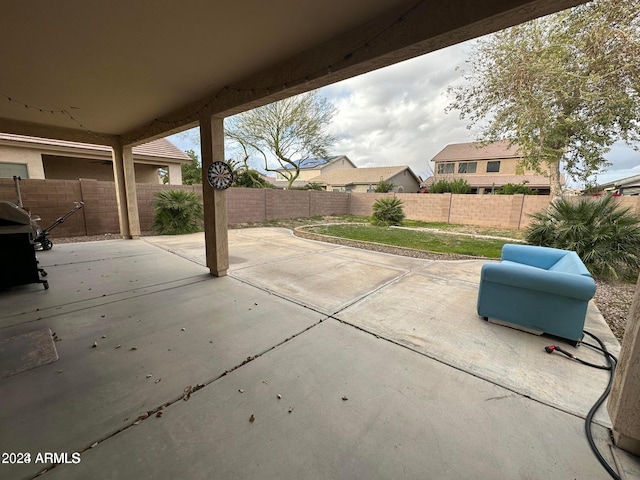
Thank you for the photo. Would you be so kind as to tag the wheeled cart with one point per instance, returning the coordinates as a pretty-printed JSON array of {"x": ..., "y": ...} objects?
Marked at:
[{"x": 18, "y": 262}]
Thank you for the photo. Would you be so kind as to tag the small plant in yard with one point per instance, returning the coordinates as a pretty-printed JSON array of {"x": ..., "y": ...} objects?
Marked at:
[
  {"x": 177, "y": 212},
  {"x": 605, "y": 235},
  {"x": 387, "y": 211},
  {"x": 459, "y": 185},
  {"x": 383, "y": 187},
  {"x": 513, "y": 189}
]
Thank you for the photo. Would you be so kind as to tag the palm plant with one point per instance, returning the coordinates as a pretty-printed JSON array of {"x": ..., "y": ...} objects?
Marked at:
[
  {"x": 177, "y": 212},
  {"x": 388, "y": 211},
  {"x": 605, "y": 235}
]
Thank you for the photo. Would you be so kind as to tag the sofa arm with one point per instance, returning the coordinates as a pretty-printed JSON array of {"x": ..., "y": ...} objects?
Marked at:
[
  {"x": 541, "y": 257},
  {"x": 531, "y": 278}
]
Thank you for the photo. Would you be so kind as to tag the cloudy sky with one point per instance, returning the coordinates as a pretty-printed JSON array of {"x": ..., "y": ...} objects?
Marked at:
[{"x": 396, "y": 116}]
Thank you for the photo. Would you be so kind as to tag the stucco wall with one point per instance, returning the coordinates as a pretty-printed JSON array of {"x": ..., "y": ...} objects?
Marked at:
[
  {"x": 71, "y": 168},
  {"x": 31, "y": 158},
  {"x": 405, "y": 182}
]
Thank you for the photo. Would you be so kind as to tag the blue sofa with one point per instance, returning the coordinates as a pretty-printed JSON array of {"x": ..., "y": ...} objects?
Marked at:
[{"x": 539, "y": 288}]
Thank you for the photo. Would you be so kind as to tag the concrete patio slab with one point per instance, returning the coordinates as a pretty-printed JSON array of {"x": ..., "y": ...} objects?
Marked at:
[
  {"x": 92, "y": 270},
  {"x": 433, "y": 391},
  {"x": 447, "y": 328},
  {"x": 320, "y": 281},
  {"x": 149, "y": 347},
  {"x": 405, "y": 416},
  {"x": 466, "y": 270}
]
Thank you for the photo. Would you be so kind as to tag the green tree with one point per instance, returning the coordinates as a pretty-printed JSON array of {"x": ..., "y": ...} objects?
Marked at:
[
  {"x": 563, "y": 88},
  {"x": 192, "y": 172},
  {"x": 383, "y": 187},
  {"x": 289, "y": 131}
]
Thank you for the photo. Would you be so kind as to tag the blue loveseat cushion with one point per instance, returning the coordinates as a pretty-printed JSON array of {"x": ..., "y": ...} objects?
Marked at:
[{"x": 532, "y": 278}]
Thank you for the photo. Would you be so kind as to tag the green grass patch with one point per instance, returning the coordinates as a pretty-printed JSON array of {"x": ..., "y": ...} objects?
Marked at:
[{"x": 429, "y": 241}]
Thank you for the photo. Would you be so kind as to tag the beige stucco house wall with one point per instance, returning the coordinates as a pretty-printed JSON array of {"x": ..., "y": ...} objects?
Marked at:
[
  {"x": 31, "y": 157},
  {"x": 310, "y": 168},
  {"x": 485, "y": 167},
  {"x": 364, "y": 180}
]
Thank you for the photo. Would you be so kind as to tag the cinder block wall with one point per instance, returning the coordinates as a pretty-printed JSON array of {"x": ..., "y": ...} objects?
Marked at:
[
  {"x": 50, "y": 199},
  {"x": 144, "y": 195},
  {"x": 246, "y": 205}
]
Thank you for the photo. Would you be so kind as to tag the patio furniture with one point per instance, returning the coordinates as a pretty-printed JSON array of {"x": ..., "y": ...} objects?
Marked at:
[{"x": 542, "y": 289}]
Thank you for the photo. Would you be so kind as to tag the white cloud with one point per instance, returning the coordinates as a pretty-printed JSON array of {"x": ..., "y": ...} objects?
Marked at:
[{"x": 396, "y": 116}]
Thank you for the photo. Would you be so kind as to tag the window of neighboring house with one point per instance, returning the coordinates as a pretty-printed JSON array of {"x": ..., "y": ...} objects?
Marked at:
[
  {"x": 8, "y": 170},
  {"x": 493, "y": 166},
  {"x": 467, "y": 167},
  {"x": 444, "y": 168}
]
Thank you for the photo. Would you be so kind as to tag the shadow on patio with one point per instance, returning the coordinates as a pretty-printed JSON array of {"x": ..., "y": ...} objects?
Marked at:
[{"x": 308, "y": 360}]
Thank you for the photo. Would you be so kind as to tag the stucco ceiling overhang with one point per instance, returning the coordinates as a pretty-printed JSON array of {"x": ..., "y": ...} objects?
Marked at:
[{"x": 134, "y": 70}]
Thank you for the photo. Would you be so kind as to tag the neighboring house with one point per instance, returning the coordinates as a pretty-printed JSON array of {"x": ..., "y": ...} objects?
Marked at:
[
  {"x": 365, "y": 179},
  {"x": 485, "y": 167},
  {"x": 40, "y": 158},
  {"x": 312, "y": 167},
  {"x": 623, "y": 186}
]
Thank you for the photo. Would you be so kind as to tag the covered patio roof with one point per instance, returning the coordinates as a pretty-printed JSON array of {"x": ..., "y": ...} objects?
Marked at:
[{"x": 137, "y": 70}]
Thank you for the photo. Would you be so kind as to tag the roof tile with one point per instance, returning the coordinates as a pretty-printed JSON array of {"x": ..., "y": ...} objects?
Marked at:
[
  {"x": 476, "y": 151},
  {"x": 160, "y": 148}
]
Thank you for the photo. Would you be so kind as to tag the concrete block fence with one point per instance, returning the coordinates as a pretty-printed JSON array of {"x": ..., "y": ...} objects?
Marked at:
[{"x": 51, "y": 199}]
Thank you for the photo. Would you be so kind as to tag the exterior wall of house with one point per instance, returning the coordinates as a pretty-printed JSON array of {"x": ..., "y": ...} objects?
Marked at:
[
  {"x": 405, "y": 182},
  {"x": 340, "y": 164},
  {"x": 508, "y": 166},
  {"x": 72, "y": 168},
  {"x": 25, "y": 156},
  {"x": 60, "y": 167},
  {"x": 307, "y": 174}
]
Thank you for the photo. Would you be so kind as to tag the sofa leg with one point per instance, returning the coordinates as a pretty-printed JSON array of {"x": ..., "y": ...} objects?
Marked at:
[{"x": 486, "y": 319}]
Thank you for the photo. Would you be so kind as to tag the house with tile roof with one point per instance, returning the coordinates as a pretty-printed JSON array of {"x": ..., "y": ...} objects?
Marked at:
[
  {"x": 485, "y": 167},
  {"x": 312, "y": 167},
  {"x": 40, "y": 158},
  {"x": 365, "y": 179}
]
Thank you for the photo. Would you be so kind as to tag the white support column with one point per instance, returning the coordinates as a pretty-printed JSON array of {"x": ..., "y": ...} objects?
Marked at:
[
  {"x": 623, "y": 402},
  {"x": 215, "y": 201},
  {"x": 175, "y": 174},
  {"x": 125, "y": 180}
]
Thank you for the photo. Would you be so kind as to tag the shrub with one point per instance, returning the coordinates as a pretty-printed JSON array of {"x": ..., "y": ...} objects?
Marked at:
[
  {"x": 604, "y": 235},
  {"x": 459, "y": 185},
  {"x": 383, "y": 187},
  {"x": 309, "y": 186},
  {"x": 387, "y": 211},
  {"x": 513, "y": 189},
  {"x": 177, "y": 212},
  {"x": 249, "y": 178}
]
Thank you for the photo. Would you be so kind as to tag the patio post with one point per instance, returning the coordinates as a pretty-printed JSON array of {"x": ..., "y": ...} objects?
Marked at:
[
  {"x": 215, "y": 201},
  {"x": 125, "y": 180},
  {"x": 623, "y": 402}
]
